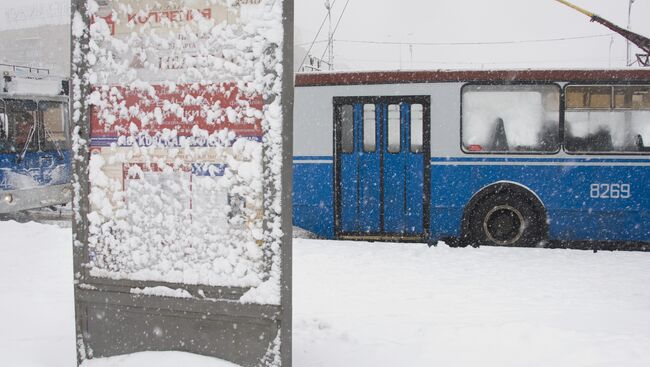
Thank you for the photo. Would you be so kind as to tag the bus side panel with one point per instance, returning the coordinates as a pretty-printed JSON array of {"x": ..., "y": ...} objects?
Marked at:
[
  {"x": 601, "y": 203},
  {"x": 394, "y": 193},
  {"x": 415, "y": 193},
  {"x": 313, "y": 199},
  {"x": 313, "y": 168},
  {"x": 575, "y": 212},
  {"x": 451, "y": 188},
  {"x": 349, "y": 191}
]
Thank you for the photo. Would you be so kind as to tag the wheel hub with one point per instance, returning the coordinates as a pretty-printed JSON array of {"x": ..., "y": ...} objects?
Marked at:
[{"x": 503, "y": 225}]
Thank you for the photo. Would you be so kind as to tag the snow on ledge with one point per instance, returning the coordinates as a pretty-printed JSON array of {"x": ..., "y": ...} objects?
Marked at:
[
  {"x": 162, "y": 291},
  {"x": 158, "y": 359}
]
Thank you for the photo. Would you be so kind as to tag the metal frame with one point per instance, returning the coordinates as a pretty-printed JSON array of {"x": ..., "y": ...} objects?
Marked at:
[
  {"x": 287, "y": 183},
  {"x": 110, "y": 320}
]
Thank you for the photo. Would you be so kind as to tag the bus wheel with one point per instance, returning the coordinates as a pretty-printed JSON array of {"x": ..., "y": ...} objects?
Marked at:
[{"x": 506, "y": 219}]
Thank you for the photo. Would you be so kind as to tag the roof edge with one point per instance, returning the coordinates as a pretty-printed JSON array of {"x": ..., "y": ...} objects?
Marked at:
[{"x": 439, "y": 76}]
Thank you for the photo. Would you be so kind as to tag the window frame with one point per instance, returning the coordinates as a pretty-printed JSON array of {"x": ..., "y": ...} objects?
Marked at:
[
  {"x": 410, "y": 137},
  {"x": 352, "y": 135},
  {"x": 399, "y": 128},
  {"x": 4, "y": 118},
  {"x": 363, "y": 128},
  {"x": 506, "y": 84},
  {"x": 4, "y": 126},
  {"x": 628, "y": 108},
  {"x": 611, "y": 96},
  {"x": 598, "y": 84}
]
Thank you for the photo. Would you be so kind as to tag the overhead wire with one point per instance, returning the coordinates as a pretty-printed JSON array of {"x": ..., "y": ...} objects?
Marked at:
[
  {"x": 476, "y": 62},
  {"x": 465, "y": 43}
]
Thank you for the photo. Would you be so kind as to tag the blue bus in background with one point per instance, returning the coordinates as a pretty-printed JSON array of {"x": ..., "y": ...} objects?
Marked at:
[
  {"x": 35, "y": 159},
  {"x": 509, "y": 157}
]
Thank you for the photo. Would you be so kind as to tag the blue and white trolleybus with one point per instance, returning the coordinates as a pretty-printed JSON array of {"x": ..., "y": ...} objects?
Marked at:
[
  {"x": 479, "y": 157},
  {"x": 34, "y": 140}
]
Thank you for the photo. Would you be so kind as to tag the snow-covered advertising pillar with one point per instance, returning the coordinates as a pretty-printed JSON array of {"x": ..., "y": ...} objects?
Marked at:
[{"x": 182, "y": 141}]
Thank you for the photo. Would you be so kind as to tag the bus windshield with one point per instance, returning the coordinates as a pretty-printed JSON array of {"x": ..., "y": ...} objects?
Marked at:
[{"x": 30, "y": 126}]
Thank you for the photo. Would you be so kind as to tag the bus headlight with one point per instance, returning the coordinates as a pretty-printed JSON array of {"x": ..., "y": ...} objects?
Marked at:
[{"x": 8, "y": 198}]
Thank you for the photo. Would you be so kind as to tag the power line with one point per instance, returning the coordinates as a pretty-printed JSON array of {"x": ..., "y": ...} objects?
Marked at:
[
  {"x": 480, "y": 63},
  {"x": 464, "y": 43}
]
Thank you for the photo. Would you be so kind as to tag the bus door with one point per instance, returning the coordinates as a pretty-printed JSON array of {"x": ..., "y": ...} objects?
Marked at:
[{"x": 382, "y": 167}]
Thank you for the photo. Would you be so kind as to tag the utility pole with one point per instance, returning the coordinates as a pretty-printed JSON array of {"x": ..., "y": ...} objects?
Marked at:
[
  {"x": 400, "y": 54},
  {"x": 330, "y": 36},
  {"x": 629, "y": 17},
  {"x": 611, "y": 43}
]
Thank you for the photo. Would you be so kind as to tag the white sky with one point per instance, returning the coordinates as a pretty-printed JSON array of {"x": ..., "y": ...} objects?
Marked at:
[
  {"x": 435, "y": 21},
  {"x": 19, "y": 14},
  {"x": 470, "y": 21}
]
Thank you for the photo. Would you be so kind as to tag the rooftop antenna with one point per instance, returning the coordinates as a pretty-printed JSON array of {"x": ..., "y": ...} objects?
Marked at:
[{"x": 640, "y": 41}]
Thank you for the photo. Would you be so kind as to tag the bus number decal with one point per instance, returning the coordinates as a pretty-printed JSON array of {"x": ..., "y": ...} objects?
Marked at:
[{"x": 610, "y": 191}]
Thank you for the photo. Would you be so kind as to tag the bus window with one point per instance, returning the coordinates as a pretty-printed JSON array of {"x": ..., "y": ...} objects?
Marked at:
[
  {"x": 22, "y": 119},
  {"x": 589, "y": 97},
  {"x": 417, "y": 129},
  {"x": 510, "y": 118},
  {"x": 53, "y": 117},
  {"x": 623, "y": 127},
  {"x": 394, "y": 145},
  {"x": 369, "y": 128},
  {"x": 632, "y": 97},
  {"x": 347, "y": 128}
]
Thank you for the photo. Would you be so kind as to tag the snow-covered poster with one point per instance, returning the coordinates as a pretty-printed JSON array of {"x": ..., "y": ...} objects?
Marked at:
[{"x": 179, "y": 156}]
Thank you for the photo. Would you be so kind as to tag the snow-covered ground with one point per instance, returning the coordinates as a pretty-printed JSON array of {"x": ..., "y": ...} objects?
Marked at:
[
  {"x": 158, "y": 359},
  {"x": 359, "y": 304}
]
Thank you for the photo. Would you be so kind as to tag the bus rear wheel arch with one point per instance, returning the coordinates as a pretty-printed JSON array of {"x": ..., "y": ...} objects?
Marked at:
[{"x": 504, "y": 214}]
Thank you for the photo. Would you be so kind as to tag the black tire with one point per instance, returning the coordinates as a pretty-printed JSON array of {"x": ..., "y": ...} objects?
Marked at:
[
  {"x": 506, "y": 218},
  {"x": 454, "y": 242}
]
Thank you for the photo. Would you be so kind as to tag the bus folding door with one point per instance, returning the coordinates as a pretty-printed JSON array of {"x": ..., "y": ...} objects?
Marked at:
[{"x": 382, "y": 167}]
